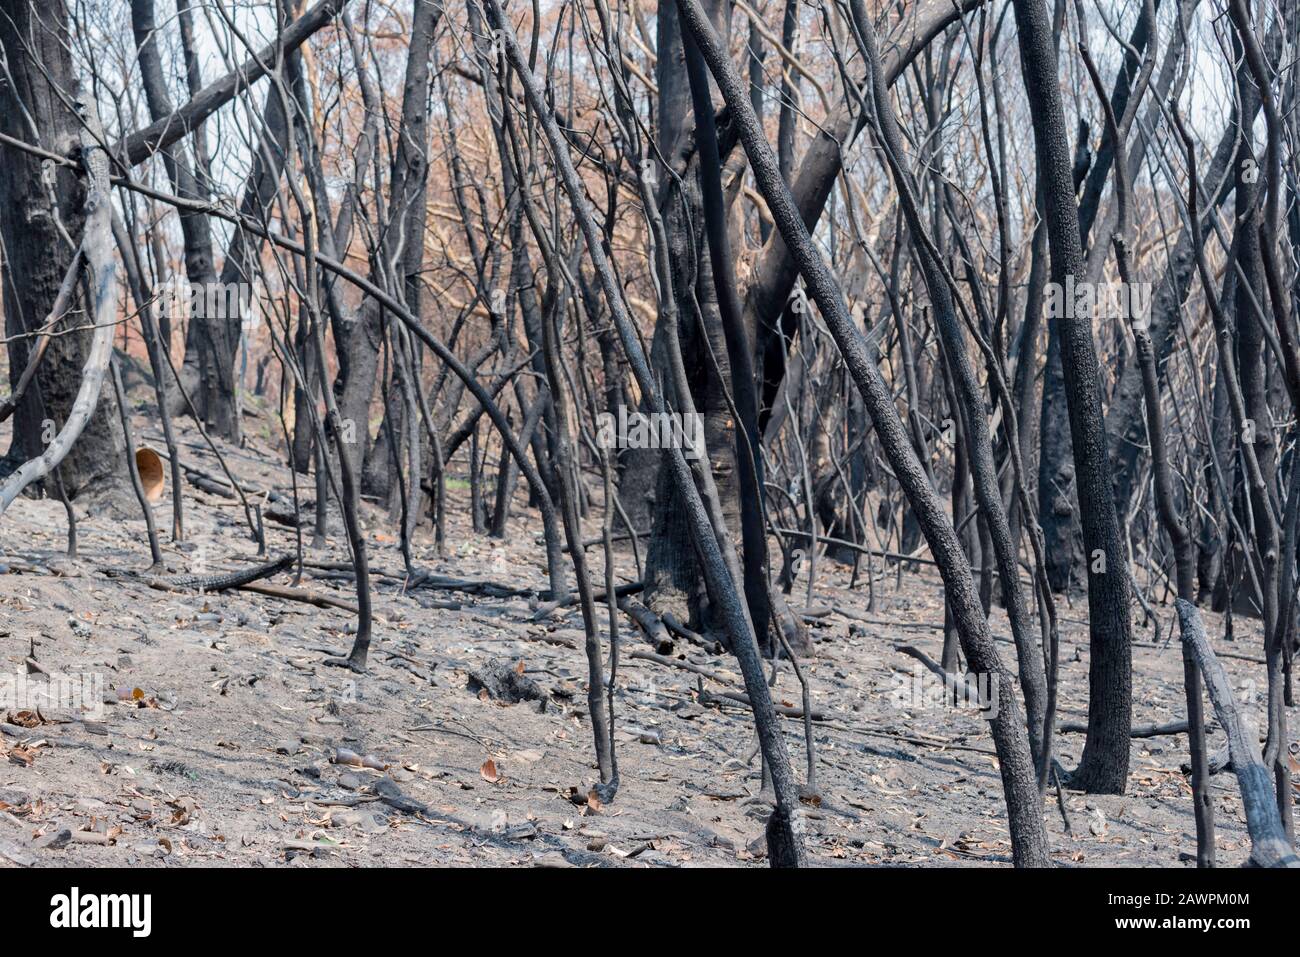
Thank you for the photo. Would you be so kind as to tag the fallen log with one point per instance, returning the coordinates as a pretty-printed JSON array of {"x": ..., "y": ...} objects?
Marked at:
[
  {"x": 681, "y": 631},
  {"x": 738, "y": 697},
  {"x": 678, "y": 663},
  {"x": 1138, "y": 730},
  {"x": 1220, "y": 760},
  {"x": 547, "y": 608},
  {"x": 215, "y": 583},
  {"x": 651, "y": 625},
  {"x": 1269, "y": 844},
  {"x": 298, "y": 594},
  {"x": 953, "y": 683}
]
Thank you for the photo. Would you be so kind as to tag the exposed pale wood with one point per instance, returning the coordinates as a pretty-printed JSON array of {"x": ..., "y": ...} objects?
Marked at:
[{"x": 1269, "y": 846}]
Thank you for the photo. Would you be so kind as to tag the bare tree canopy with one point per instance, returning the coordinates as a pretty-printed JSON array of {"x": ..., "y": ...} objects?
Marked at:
[{"x": 830, "y": 411}]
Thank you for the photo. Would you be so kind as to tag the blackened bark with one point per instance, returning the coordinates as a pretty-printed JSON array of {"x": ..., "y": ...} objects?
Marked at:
[
  {"x": 1090, "y": 201},
  {"x": 776, "y": 271},
  {"x": 749, "y": 458},
  {"x": 674, "y": 582},
  {"x": 33, "y": 214},
  {"x": 1166, "y": 505},
  {"x": 360, "y": 338},
  {"x": 1125, "y": 427},
  {"x": 789, "y": 102},
  {"x": 1104, "y": 766},
  {"x": 208, "y": 372},
  {"x": 785, "y": 825},
  {"x": 1028, "y": 837},
  {"x": 968, "y": 403},
  {"x": 162, "y": 133},
  {"x": 1056, "y": 470}
]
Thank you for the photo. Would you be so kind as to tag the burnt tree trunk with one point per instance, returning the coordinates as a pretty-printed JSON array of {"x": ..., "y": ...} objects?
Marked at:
[
  {"x": 359, "y": 341},
  {"x": 33, "y": 216},
  {"x": 208, "y": 372},
  {"x": 674, "y": 582},
  {"x": 1104, "y": 766}
]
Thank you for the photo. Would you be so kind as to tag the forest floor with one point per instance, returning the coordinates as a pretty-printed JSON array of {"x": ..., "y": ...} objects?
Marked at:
[{"x": 219, "y": 739}]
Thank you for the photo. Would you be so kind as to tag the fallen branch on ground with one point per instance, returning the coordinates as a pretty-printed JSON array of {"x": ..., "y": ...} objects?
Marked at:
[
  {"x": 212, "y": 583},
  {"x": 299, "y": 594},
  {"x": 1269, "y": 844}
]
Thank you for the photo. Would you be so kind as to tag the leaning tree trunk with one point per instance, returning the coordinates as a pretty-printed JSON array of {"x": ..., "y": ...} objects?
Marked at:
[
  {"x": 1024, "y": 805},
  {"x": 785, "y": 826},
  {"x": 1125, "y": 425}
]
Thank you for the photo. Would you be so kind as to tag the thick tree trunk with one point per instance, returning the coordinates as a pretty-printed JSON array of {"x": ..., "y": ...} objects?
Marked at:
[
  {"x": 673, "y": 577},
  {"x": 403, "y": 238},
  {"x": 1104, "y": 767},
  {"x": 33, "y": 214},
  {"x": 208, "y": 372}
]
